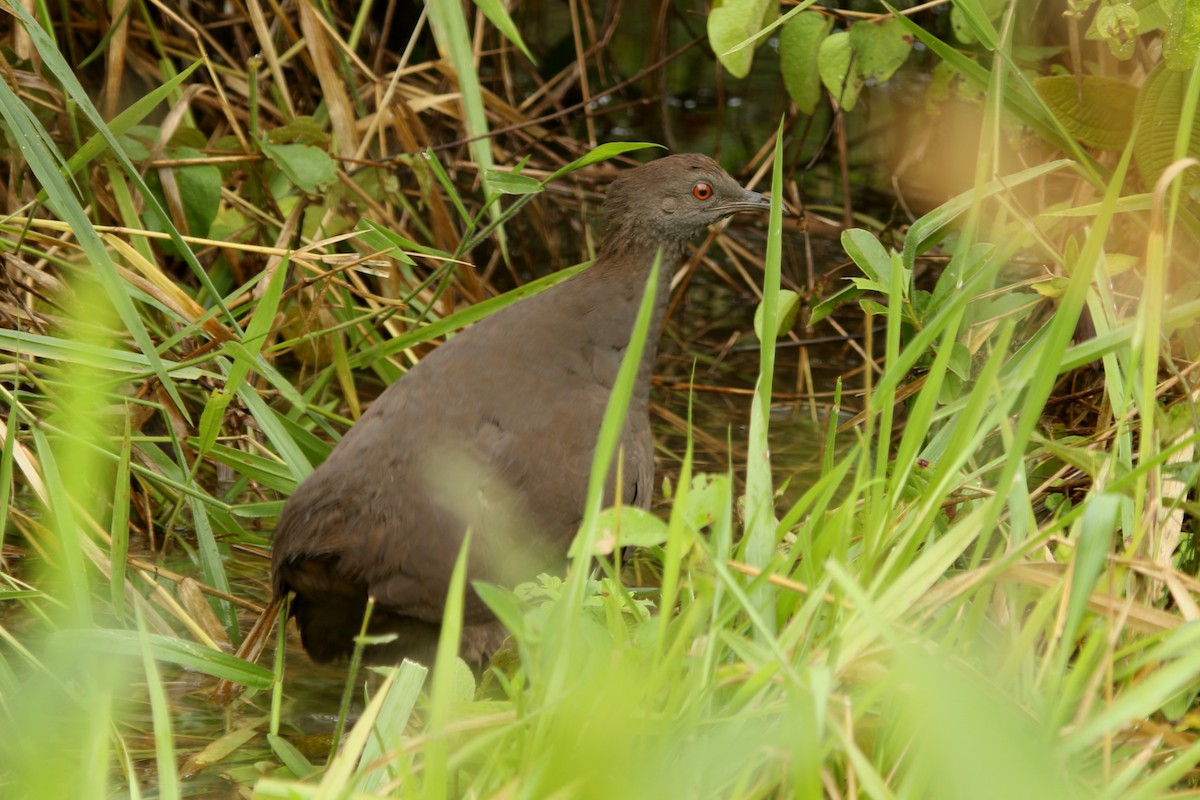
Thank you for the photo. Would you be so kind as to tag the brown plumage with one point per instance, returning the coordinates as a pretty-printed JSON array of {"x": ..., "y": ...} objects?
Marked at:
[{"x": 493, "y": 431}]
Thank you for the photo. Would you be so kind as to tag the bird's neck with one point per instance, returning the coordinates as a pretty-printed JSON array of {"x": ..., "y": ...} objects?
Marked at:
[{"x": 618, "y": 281}]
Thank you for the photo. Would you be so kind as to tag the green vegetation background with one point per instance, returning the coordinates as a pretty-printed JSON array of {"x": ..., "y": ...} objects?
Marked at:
[{"x": 988, "y": 588}]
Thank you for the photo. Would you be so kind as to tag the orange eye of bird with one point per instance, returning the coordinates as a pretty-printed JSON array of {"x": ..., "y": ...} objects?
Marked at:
[{"x": 702, "y": 191}]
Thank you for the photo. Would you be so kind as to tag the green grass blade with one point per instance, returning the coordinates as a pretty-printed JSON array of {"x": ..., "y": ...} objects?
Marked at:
[{"x": 759, "y": 543}]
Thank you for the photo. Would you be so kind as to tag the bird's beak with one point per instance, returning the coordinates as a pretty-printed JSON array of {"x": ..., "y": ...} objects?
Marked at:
[{"x": 749, "y": 201}]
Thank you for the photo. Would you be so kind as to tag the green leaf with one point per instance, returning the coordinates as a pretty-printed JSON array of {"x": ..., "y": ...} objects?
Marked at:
[
  {"x": 504, "y": 605},
  {"x": 104, "y": 358},
  {"x": 300, "y": 130},
  {"x": 836, "y": 64},
  {"x": 200, "y": 191},
  {"x": 1055, "y": 286},
  {"x": 1096, "y": 111},
  {"x": 381, "y": 239},
  {"x": 125, "y": 121},
  {"x": 496, "y": 13},
  {"x": 199, "y": 188},
  {"x": 394, "y": 714},
  {"x": 512, "y": 182},
  {"x": 454, "y": 40},
  {"x": 220, "y": 748},
  {"x": 880, "y": 48},
  {"x": 972, "y": 20},
  {"x": 629, "y": 526},
  {"x": 268, "y": 509},
  {"x": 960, "y": 361},
  {"x": 789, "y": 307},
  {"x": 97, "y": 642},
  {"x": 1117, "y": 25},
  {"x": 707, "y": 500},
  {"x": 799, "y": 45},
  {"x": 1159, "y": 114},
  {"x": 1093, "y": 535},
  {"x": 827, "y": 306},
  {"x": 445, "y": 682},
  {"x": 1153, "y": 15},
  {"x": 212, "y": 416},
  {"x": 1183, "y": 36},
  {"x": 1003, "y": 305},
  {"x": 730, "y": 23},
  {"x": 1117, "y": 263},
  {"x": 600, "y": 153},
  {"x": 868, "y": 254},
  {"x": 309, "y": 168},
  {"x": 758, "y": 545},
  {"x": 291, "y": 758},
  {"x": 1156, "y": 14}
]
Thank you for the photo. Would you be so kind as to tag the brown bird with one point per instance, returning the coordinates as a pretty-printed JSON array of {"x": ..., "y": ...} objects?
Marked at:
[{"x": 494, "y": 431}]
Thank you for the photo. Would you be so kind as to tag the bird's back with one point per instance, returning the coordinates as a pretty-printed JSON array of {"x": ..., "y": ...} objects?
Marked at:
[{"x": 492, "y": 432}]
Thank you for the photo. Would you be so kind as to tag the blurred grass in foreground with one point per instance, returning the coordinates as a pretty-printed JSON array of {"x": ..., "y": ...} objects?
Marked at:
[{"x": 971, "y": 600}]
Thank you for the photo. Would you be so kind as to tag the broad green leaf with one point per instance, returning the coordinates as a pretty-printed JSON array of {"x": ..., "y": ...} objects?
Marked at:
[
  {"x": 789, "y": 307},
  {"x": 1153, "y": 15},
  {"x": 1117, "y": 25},
  {"x": 799, "y": 45},
  {"x": 880, "y": 48},
  {"x": 1096, "y": 111},
  {"x": 827, "y": 306},
  {"x": 1054, "y": 286},
  {"x": 868, "y": 254},
  {"x": 504, "y": 605},
  {"x": 836, "y": 63},
  {"x": 629, "y": 526},
  {"x": 199, "y": 190},
  {"x": 1117, "y": 263},
  {"x": 707, "y": 499},
  {"x": 730, "y": 23},
  {"x": 1159, "y": 112},
  {"x": 309, "y": 168},
  {"x": 300, "y": 130},
  {"x": 1183, "y": 36},
  {"x": 1156, "y": 14},
  {"x": 960, "y": 361}
]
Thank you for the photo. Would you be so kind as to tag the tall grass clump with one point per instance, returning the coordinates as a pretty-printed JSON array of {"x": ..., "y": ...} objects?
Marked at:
[{"x": 986, "y": 590}]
